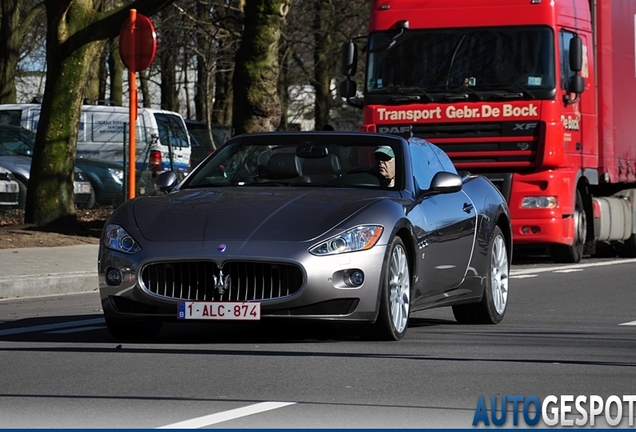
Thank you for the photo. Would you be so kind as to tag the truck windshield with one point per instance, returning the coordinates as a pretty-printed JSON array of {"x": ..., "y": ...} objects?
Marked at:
[{"x": 488, "y": 59}]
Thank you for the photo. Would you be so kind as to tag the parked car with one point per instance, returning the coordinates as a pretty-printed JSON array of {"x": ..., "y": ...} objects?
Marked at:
[
  {"x": 16, "y": 149},
  {"x": 8, "y": 189},
  {"x": 309, "y": 226},
  {"x": 107, "y": 179}
]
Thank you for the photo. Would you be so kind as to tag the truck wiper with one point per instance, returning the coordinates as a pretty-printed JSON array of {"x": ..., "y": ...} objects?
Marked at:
[
  {"x": 461, "y": 93},
  {"x": 412, "y": 96},
  {"x": 523, "y": 92}
]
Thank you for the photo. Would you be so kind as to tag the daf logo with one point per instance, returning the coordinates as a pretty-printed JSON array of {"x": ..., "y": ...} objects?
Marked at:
[
  {"x": 221, "y": 282},
  {"x": 394, "y": 129},
  {"x": 525, "y": 126}
]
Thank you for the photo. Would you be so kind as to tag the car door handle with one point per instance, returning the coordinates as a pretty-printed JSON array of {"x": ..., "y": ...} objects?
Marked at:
[{"x": 468, "y": 207}]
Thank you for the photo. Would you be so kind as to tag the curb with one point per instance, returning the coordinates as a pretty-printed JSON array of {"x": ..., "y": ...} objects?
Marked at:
[{"x": 49, "y": 284}]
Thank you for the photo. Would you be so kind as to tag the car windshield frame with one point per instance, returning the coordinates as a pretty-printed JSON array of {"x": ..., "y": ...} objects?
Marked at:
[{"x": 298, "y": 160}]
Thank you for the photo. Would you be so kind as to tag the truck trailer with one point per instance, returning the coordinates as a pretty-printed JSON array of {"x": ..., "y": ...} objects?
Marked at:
[{"x": 537, "y": 95}]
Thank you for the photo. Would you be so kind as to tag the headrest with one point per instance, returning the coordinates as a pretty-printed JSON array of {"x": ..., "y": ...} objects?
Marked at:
[{"x": 283, "y": 166}]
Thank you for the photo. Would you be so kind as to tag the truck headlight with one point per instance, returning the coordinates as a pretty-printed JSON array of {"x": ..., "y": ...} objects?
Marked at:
[{"x": 540, "y": 202}]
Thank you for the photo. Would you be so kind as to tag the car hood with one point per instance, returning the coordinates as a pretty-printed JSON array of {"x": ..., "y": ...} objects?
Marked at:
[
  {"x": 246, "y": 213},
  {"x": 19, "y": 164}
]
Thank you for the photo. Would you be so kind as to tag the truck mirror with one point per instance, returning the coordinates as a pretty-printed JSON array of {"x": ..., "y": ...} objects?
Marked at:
[
  {"x": 349, "y": 58},
  {"x": 576, "y": 54},
  {"x": 576, "y": 84},
  {"x": 347, "y": 89}
]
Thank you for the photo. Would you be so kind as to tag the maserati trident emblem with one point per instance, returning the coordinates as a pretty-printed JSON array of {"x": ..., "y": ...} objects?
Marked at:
[{"x": 221, "y": 282}]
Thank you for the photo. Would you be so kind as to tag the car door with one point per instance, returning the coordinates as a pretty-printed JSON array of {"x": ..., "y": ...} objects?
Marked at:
[{"x": 450, "y": 225}]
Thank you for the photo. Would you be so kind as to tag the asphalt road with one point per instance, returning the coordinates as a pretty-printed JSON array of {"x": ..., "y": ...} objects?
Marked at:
[{"x": 569, "y": 330}]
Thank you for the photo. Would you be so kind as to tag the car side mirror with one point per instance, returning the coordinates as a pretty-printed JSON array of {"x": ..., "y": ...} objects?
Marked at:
[
  {"x": 166, "y": 181},
  {"x": 446, "y": 182}
]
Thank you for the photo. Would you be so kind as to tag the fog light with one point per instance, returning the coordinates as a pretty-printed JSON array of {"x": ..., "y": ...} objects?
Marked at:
[
  {"x": 113, "y": 277},
  {"x": 356, "y": 278},
  {"x": 530, "y": 229}
]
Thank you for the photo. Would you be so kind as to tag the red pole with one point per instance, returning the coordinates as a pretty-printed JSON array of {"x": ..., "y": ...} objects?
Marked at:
[{"x": 132, "y": 119}]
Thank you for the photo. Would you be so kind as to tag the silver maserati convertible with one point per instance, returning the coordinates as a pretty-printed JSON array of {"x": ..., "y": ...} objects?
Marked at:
[{"x": 345, "y": 227}]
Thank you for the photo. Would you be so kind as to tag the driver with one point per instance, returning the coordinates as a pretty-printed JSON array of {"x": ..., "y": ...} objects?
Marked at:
[{"x": 385, "y": 164}]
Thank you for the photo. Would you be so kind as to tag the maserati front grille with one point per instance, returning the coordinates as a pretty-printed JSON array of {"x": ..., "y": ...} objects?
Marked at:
[{"x": 235, "y": 281}]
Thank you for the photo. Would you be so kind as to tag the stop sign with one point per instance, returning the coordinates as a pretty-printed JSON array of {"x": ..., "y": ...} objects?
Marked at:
[{"x": 137, "y": 43}]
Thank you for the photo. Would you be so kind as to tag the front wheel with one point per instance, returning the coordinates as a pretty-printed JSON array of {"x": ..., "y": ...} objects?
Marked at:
[
  {"x": 395, "y": 298},
  {"x": 492, "y": 307},
  {"x": 573, "y": 253}
]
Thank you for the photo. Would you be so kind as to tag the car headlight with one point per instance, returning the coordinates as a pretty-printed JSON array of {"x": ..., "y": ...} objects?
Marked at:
[
  {"x": 116, "y": 238},
  {"x": 117, "y": 174},
  {"x": 539, "y": 202},
  {"x": 354, "y": 239}
]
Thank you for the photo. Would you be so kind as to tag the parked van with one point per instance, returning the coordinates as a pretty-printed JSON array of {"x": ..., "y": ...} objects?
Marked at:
[{"x": 162, "y": 141}]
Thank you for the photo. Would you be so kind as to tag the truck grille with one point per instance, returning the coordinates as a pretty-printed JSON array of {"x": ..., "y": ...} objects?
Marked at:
[
  {"x": 486, "y": 145},
  {"x": 241, "y": 281}
]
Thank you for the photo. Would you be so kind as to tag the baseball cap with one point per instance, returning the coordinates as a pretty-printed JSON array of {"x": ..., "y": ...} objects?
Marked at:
[{"x": 385, "y": 150}]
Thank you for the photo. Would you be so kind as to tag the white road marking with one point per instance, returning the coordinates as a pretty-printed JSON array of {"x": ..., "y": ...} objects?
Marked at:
[
  {"x": 629, "y": 323},
  {"x": 569, "y": 270},
  {"x": 573, "y": 266},
  {"x": 523, "y": 276},
  {"x": 227, "y": 415},
  {"x": 48, "y": 327},
  {"x": 76, "y": 330}
]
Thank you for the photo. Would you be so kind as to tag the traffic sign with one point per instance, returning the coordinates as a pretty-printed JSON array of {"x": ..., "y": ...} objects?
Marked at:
[{"x": 137, "y": 43}]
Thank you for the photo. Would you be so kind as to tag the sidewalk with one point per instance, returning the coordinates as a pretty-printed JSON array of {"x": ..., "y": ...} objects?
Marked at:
[{"x": 41, "y": 271}]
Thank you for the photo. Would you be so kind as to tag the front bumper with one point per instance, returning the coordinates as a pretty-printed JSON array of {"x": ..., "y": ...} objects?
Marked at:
[{"x": 323, "y": 293}]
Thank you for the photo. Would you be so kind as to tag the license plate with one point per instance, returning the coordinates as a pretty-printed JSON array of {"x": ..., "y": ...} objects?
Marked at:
[
  {"x": 82, "y": 188},
  {"x": 11, "y": 187},
  {"x": 219, "y": 310}
]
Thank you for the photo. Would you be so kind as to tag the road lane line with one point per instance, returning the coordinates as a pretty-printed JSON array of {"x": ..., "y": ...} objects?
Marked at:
[
  {"x": 568, "y": 267},
  {"x": 629, "y": 323},
  {"x": 523, "y": 276},
  {"x": 48, "y": 327},
  {"x": 227, "y": 415}
]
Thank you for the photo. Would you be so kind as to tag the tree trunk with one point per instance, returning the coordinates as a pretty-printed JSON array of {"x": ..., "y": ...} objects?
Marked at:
[
  {"x": 144, "y": 88},
  {"x": 322, "y": 73},
  {"x": 11, "y": 35},
  {"x": 76, "y": 34},
  {"x": 116, "y": 71},
  {"x": 50, "y": 194},
  {"x": 256, "y": 104}
]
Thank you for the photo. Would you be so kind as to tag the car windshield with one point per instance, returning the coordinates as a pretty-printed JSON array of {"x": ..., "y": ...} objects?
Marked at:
[
  {"x": 301, "y": 160},
  {"x": 16, "y": 142}
]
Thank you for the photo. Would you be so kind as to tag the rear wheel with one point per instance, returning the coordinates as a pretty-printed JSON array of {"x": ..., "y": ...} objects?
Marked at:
[
  {"x": 492, "y": 307},
  {"x": 395, "y": 300},
  {"x": 129, "y": 329},
  {"x": 573, "y": 253}
]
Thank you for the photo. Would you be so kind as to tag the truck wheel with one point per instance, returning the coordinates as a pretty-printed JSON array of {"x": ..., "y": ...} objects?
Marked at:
[{"x": 574, "y": 252}]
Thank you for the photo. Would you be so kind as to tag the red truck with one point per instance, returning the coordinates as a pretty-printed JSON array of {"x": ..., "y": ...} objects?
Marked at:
[{"x": 537, "y": 95}]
